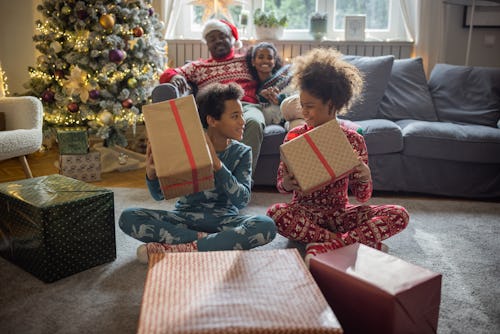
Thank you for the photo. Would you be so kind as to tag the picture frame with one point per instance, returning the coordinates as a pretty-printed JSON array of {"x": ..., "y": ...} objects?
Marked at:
[
  {"x": 484, "y": 17},
  {"x": 354, "y": 28}
]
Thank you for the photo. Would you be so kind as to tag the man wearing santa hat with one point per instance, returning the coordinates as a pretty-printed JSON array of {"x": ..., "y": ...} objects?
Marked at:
[{"x": 224, "y": 66}]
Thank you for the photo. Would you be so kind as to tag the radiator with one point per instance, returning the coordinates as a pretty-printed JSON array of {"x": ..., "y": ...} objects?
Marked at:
[{"x": 183, "y": 50}]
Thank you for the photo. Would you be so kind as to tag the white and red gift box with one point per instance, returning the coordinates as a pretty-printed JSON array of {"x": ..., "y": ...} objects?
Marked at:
[
  {"x": 374, "y": 292},
  {"x": 269, "y": 291},
  {"x": 319, "y": 156},
  {"x": 180, "y": 152}
]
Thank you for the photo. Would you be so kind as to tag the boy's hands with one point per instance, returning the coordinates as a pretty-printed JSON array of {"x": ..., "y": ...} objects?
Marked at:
[
  {"x": 216, "y": 163},
  {"x": 150, "y": 164}
]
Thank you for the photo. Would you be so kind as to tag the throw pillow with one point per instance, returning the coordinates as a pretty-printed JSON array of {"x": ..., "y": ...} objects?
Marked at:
[
  {"x": 466, "y": 94},
  {"x": 407, "y": 95},
  {"x": 376, "y": 72}
]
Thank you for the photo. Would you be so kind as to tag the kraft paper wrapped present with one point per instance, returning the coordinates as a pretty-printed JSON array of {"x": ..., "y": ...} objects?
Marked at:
[
  {"x": 374, "y": 292},
  {"x": 55, "y": 226},
  {"x": 182, "y": 159},
  {"x": 72, "y": 140},
  {"x": 258, "y": 291},
  {"x": 319, "y": 156},
  {"x": 83, "y": 167}
]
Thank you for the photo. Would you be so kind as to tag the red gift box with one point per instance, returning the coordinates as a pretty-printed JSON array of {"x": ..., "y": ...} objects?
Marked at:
[
  {"x": 374, "y": 292},
  {"x": 267, "y": 291},
  {"x": 182, "y": 159}
]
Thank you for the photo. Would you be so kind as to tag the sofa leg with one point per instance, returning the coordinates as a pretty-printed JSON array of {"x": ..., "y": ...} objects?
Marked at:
[{"x": 26, "y": 167}]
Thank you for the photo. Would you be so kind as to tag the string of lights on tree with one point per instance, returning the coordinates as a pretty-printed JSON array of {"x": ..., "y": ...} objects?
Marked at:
[{"x": 99, "y": 62}]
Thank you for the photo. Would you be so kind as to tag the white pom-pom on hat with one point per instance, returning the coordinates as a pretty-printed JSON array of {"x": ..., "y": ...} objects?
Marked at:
[{"x": 224, "y": 26}]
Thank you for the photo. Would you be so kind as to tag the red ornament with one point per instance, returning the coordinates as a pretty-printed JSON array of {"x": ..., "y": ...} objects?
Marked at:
[
  {"x": 82, "y": 14},
  {"x": 138, "y": 31},
  {"x": 48, "y": 96},
  {"x": 127, "y": 103},
  {"x": 59, "y": 74},
  {"x": 73, "y": 107}
]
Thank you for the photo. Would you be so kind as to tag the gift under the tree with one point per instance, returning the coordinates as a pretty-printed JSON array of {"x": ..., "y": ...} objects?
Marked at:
[
  {"x": 268, "y": 291},
  {"x": 83, "y": 167},
  {"x": 319, "y": 156},
  {"x": 182, "y": 160},
  {"x": 55, "y": 226},
  {"x": 374, "y": 292},
  {"x": 73, "y": 140}
]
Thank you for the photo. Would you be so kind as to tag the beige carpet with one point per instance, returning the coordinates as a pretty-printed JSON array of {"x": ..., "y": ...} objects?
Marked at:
[{"x": 457, "y": 238}]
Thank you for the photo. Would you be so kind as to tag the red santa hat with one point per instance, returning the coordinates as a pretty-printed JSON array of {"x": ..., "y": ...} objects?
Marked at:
[{"x": 224, "y": 26}]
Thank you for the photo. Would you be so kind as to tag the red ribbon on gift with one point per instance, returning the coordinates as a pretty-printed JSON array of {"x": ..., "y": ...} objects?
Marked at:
[
  {"x": 320, "y": 156},
  {"x": 187, "y": 147}
]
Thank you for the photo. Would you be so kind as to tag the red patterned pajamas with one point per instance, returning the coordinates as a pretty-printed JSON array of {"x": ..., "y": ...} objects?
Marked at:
[{"x": 326, "y": 215}]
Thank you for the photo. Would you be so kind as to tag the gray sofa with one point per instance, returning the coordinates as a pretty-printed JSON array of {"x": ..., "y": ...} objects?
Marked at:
[{"x": 438, "y": 137}]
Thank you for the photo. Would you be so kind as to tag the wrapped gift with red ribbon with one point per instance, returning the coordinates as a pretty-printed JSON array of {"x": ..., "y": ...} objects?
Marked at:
[
  {"x": 319, "y": 156},
  {"x": 180, "y": 152}
]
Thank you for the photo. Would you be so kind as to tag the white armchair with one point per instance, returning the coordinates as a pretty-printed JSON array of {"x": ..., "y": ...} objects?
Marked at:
[{"x": 23, "y": 128}]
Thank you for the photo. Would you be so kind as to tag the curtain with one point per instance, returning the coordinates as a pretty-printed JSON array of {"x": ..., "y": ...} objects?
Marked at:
[
  {"x": 169, "y": 12},
  {"x": 424, "y": 22}
]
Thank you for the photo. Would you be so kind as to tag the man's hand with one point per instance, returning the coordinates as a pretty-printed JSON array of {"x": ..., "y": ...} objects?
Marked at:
[{"x": 180, "y": 82}]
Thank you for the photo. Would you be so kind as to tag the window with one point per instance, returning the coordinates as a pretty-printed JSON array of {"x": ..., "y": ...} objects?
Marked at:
[{"x": 383, "y": 17}]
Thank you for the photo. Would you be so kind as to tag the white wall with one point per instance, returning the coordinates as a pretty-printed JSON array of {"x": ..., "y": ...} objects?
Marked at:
[
  {"x": 17, "y": 50},
  {"x": 456, "y": 41}
]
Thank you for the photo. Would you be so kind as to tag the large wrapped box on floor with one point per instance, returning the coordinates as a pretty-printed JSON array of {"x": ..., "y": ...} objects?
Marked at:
[
  {"x": 83, "y": 167},
  {"x": 182, "y": 159},
  {"x": 267, "y": 291},
  {"x": 319, "y": 156},
  {"x": 373, "y": 292},
  {"x": 55, "y": 226}
]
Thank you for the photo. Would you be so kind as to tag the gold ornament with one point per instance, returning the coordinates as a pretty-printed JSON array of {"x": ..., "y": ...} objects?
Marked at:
[
  {"x": 107, "y": 21},
  {"x": 105, "y": 117}
]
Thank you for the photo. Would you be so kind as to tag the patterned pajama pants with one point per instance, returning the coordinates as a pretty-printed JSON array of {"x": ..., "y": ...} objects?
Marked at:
[
  {"x": 227, "y": 232},
  {"x": 367, "y": 224}
]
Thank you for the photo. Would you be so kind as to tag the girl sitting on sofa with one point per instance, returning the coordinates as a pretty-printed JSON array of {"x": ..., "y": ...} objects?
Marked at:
[
  {"x": 266, "y": 67},
  {"x": 324, "y": 219}
]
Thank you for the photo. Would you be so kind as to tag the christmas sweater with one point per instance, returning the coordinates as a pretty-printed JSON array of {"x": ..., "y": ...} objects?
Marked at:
[{"x": 232, "y": 68}]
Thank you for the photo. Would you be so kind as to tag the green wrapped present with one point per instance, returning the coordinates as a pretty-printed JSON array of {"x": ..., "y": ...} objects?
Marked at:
[
  {"x": 73, "y": 140},
  {"x": 55, "y": 226}
]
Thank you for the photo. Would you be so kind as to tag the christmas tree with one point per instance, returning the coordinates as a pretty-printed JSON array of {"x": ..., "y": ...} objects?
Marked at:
[{"x": 99, "y": 62}]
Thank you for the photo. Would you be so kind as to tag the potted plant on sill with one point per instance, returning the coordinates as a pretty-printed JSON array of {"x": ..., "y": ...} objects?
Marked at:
[
  {"x": 318, "y": 26},
  {"x": 270, "y": 25}
]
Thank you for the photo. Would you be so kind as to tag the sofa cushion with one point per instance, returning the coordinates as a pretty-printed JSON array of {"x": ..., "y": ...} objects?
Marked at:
[
  {"x": 273, "y": 137},
  {"x": 381, "y": 136},
  {"x": 407, "y": 95},
  {"x": 376, "y": 72},
  {"x": 450, "y": 141},
  {"x": 465, "y": 94}
]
